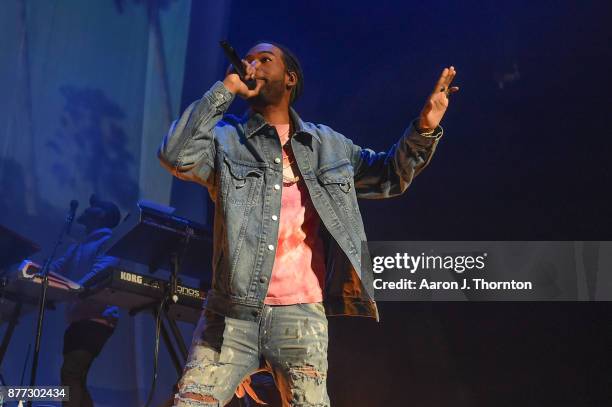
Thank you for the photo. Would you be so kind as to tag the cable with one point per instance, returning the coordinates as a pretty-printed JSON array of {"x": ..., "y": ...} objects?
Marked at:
[
  {"x": 158, "y": 322},
  {"x": 25, "y": 364}
]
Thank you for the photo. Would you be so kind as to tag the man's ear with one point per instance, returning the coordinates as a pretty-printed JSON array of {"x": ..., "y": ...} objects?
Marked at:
[{"x": 292, "y": 79}]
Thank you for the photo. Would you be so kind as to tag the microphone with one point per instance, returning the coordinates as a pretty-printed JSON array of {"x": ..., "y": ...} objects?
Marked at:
[
  {"x": 236, "y": 62},
  {"x": 74, "y": 204}
]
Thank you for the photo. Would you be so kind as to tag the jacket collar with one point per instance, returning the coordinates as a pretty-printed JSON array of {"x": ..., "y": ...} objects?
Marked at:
[{"x": 254, "y": 122}]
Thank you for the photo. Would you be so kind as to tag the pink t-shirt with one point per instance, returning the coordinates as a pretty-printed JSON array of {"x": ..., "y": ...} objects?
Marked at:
[{"x": 298, "y": 274}]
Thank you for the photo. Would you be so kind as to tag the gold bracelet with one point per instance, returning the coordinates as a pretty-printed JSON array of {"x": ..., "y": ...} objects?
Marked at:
[{"x": 426, "y": 133}]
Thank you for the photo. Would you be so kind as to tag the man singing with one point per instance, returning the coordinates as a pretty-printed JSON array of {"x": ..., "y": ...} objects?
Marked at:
[{"x": 287, "y": 229}]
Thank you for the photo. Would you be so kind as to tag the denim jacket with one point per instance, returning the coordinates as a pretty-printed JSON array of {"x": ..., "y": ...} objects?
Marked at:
[{"x": 239, "y": 161}]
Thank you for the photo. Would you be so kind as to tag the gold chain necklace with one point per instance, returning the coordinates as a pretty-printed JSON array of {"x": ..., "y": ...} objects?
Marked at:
[
  {"x": 287, "y": 179},
  {"x": 290, "y": 180},
  {"x": 286, "y": 157}
]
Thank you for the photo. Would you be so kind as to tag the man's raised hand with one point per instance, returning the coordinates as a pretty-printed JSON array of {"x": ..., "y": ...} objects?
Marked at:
[
  {"x": 437, "y": 103},
  {"x": 234, "y": 84}
]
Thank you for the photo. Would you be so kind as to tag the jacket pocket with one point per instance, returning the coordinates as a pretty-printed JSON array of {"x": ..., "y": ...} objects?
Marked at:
[
  {"x": 337, "y": 176},
  {"x": 337, "y": 180},
  {"x": 241, "y": 182}
]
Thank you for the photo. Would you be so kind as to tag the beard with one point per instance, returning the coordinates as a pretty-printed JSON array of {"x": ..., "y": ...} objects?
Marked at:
[{"x": 270, "y": 93}]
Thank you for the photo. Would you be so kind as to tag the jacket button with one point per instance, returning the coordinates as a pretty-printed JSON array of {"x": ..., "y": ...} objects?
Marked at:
[
  {"x": 277, "y": 160},
  {"x": 277, "y": 187},
  {"x": 270, "y": 247},
  {"x": 274, "y": 217},
  {"x": 263, "y": 279}
]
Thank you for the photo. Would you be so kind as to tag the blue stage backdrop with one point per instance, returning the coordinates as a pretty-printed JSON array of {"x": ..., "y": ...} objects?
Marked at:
[{"x": 89, "y": 89}]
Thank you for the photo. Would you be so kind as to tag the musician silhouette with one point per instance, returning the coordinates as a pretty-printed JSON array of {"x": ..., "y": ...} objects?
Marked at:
[{"x": 90, "y": 324}]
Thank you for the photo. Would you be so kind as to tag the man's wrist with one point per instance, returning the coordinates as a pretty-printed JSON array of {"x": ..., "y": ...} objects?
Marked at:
[
  {"x": 230, "y": 85},
  {"x": 219, "y": 95},
  {"x": 426, "y": 132},
  {"x": 422, "y": 128}
]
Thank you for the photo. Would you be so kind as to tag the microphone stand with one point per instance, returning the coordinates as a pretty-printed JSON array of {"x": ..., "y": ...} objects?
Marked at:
[{"x": 44, "y": 273}]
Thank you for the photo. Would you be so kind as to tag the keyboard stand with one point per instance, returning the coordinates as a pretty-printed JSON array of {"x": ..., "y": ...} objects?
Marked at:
[{"x": 157, "y": 239}]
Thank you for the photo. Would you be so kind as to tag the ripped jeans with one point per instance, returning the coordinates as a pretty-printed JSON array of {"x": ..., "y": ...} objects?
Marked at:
[{"x": 291, "y": 340}]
